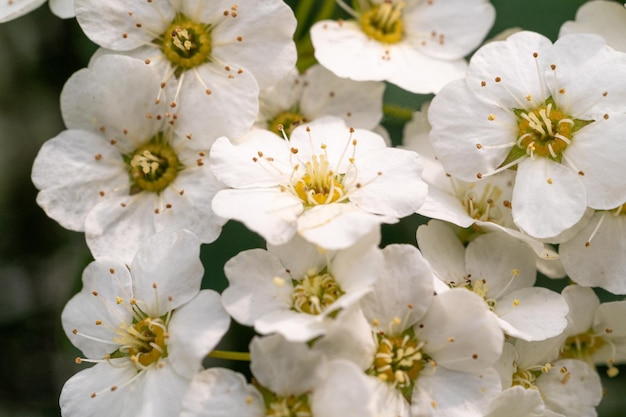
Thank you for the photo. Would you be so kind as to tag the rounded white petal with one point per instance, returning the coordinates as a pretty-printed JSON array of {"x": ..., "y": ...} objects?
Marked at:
[
  {"x": 253, "y": 291},
  {"x": 460, "y": 332},
  {"x": 601, "y": 262},
  {"x": 548, "y": 197},
  {"x": 16, "y": 8},
  {"x": 167, "y": 271},
  {"x": 194, "y": 330},
  {"x": 75, "y": 171},
  {"x": 299, "y": 256},
  {"x": 270, "y": 212},
  {"x": 605, "y": 18},
  {"x": 105, "y": 23},
  {"x": 517, "y": 401},
  {"x": 571, "y": 387},
  {"x": 218, "y": 392},
  {"x": 533, "y": 313},
  {"x": 103, "y": 281},
  {"x": 443, "y": 250},
  {"x": 583, "y": 303},
  {"x": 62, "y": 8},
  {"x": 279, "y": 365}
]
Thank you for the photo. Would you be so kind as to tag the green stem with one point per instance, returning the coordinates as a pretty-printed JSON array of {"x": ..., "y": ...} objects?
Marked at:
[
  {"x": 235, "y": 356},
  {"x": 396, "y": 112}
]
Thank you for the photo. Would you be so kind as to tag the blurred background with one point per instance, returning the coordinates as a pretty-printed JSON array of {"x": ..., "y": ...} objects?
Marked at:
[{"x": 41, "y": 263}]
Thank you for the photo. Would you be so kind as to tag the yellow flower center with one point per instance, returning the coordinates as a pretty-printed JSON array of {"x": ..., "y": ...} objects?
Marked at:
[
  {"x": 319, "y": 185},
  {"x": 186, "y": 43},
  {"x": 398, "y": 361},
  {"x": 315, "y": 293},
  {"x": 144, "y": 341},
  {"x": 289, "y": 407},
  {"x": 153, "y": 166},
  {"x": 383, "y": 22}
]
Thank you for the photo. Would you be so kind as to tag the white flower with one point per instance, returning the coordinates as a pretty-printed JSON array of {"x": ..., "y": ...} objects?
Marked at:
[
  {"x": 430, "y": 354},
  {"x": 297, "y": 99},
  {"x": 216, "y": 53},
  {"x": 555, "y": 112},
  {"x": 297, "y": 289},
  {"x": 604, "y": 18},
  {"x": 501, "y": 270},
  {"x": 414, "y": 44},
  {"x": 329, "y": 183},
  {"x": 290, "y": 380},
  {"x": 594, "y": 257},
  {"x": 596, "y": 333},
  {"x": 147, "y": 327},
  {"x": 478, "y": 206},
  {"x": 12, "y": 9},
  {"x": 126, "y": 167}
]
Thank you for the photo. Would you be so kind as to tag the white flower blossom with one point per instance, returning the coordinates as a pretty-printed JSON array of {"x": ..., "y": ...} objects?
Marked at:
[
  {"x": 12, "y": 9},
  {"x": 417, "y": 45},
  {"x": 125, "y": 168},
  {"x": 301, "y": 98},
  {"x": 147, "y": 327},
  {"x": 329, "y": 183},
  {"x": 604, "y": 18},
  {"x": 555, "y": 112},
  {"x": 214, "y": 52},
  {"x": 501, "y": 270},
  {"x": 297, "y": 289}
]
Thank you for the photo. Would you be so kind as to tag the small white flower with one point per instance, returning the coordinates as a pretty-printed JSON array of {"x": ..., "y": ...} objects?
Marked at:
[
  {"x": 12, "y": 9},
  {"x": 594, "y": 256},
  {"x": 298, "y": 99},
  {"x": 147, "y": 327},
  {"x": 417, "y": 45},
  {"x": 329, "y": 183},
  {"x": 556, "y": 112},
  {"x": 604, "y": 18},
  {"x": 502, "y": 271},
  {"x": 126, "y": 167},
  {"x": 297, "y": 289},
  {"x": 216, "y": 53}
]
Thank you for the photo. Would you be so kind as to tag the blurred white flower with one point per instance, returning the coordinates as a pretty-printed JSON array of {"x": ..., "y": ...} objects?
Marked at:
[
  {"x": 329, "y": 183},
  {"x": 126, "y": 167},
  {"x": 417, "y": 45},
  {"x": 554, "y": 112},
  {"x": 147, "y": 327},
  {"x": 604, "y": 18},
  {"x": 12, "y": 9}
]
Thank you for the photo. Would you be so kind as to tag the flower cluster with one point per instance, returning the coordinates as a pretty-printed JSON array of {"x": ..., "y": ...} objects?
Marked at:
[{"x": 193, "y": 113}]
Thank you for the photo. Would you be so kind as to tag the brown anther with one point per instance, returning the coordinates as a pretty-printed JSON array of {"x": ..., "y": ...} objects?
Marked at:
[
  {"x": 553, "y": 67},
  {"x": 94, "y": 293},
  {"x": 498, "y": 79},
  {"x": 147, "y": 61},
  {"x": 168, "y": 206},
  {"x": 157, "y": 211},
  {"x": 124, "y": 35},
  {"x": 535, "y": 54},
  {"x": 483, "y": 83},
  {"x": 479, "y": 146},
  {"x": 97, "y": 157},
  {"x": 240, "y": 38}
]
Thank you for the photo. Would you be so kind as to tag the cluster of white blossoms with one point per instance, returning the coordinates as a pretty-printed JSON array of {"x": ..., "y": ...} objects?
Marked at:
[{"x": 193, "y": 113}]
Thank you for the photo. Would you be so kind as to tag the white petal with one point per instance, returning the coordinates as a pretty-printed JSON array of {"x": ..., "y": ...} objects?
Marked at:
[
  {"x": 443, "y": 250},
  {"x": 517, "y": 401},
  {"x": 575, "y": 392},
  {"x": 72, "y": 170},
  {"x": 62, "y": 8},
  {"x": 106, "y": 22},
  {"x": 16, "y": 8},
  {"x": 103, "y": 281},
  {"x": 293, "y": 325},
  {"x": 279, "y": 365},
  {"x": 534, "y": 313},
  {"x": 443, "y": 206},
  {"x": 299, "y": 256},
  {"x": 583, "y": 303},
  {"x": 403, "y": 292},
  {"x": 446, "y": 393},
  {"x": 605, "y": 18},
  {"x": 218, "y": 392},
  {"x": 601, "y": 262},
  {"x": 252, "y": 292},
  {"x": 343, "y": 48},
  {"x": 270, "y": 212},
  {"x": 167, "y": 271},
  {"x": 461, "y": 334},
  {"x": 548, "y": 197},
  {"x": 194, "y": 330}
]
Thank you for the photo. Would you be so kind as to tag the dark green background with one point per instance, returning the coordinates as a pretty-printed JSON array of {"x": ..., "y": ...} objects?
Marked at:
[{"x": 41, "y": 263}]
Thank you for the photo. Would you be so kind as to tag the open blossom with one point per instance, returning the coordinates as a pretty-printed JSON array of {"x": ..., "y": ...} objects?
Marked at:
[
  {"x": 555, "y": 112},
  {"x": 12, "y": 9},
  {"x": 216, "y": 53},
  {"x": 605, "y": 18},
  {"x": 290, "y": 379},
  {"x": 147, "y": 326},
  {"x": 329, "y": 183},
  {"x": 125, "y": 168},
  {"x": 297, "y": 289},
  {"x": 301, "y": 98},
  {"x": 502, "y": 271},
  {"x": 417, "y": 45}
]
